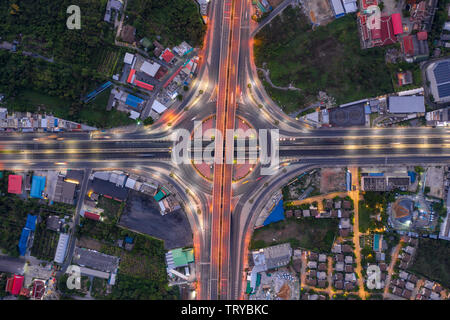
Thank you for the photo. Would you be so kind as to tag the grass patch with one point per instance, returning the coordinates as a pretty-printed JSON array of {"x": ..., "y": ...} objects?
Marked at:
[
  {"x": 433, "y": 260},
  {"x": 364, "y": 217},
  {"x": 33, "y": 101},
  {"x": 327, "y": 59},
  {"x": 113, "y": 208},
  {"x": 310, "y": 233},
  {"x": 45, "y": 243},
  {"x": 95, "y": 114}
]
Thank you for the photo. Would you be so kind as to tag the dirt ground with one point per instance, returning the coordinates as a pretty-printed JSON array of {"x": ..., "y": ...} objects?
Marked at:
[
  {"x": 318, "y": 11},
  {"x": 332, "y": 180},
  {"x": 89, "y": 244},
  {"x": 435, "y": 180}
]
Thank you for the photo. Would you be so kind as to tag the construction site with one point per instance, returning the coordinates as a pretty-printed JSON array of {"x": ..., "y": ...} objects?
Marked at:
[{"x": 279, "y": 285}]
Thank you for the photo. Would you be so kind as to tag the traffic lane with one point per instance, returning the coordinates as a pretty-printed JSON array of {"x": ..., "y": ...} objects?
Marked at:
[
  {"x": 86, "y": 145},
  {"x": 363, "y": 152},
  {"x": 130, "y": 155}
]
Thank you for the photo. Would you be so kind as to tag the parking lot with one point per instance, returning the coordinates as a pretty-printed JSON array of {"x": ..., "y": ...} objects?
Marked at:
[{"x": 142, "y": 214}]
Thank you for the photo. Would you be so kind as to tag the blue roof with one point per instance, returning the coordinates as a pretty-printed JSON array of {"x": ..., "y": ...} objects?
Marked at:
[
  {"x": 23, "y": 241},
  {"x": 376, "y": 174},
  {"x": 133, "y": 101},
  {"x": 37, "y": 187},
  {"x": 31, "y": 222},
  {"x": 412, "y": 175},
  {"x": 276, "y": 215},
  {"x": 444, "y": 90},
  {"x": 442, "y": 72},
  {"x": 128, "y": 240}
]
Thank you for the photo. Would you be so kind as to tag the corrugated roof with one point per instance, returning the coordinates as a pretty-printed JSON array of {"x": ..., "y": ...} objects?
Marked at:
[
  {"x": 61, "y": 248},
  {"x": 406, "y": 104},
  {"x": 14, "y": 184},
  {"x": 397, "y": 23},
  {"x": 37, "y": 187}
]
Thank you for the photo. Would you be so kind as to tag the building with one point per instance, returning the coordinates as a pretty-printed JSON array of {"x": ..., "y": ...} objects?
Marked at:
[
  {"x": 415, "y": 47},
  {"x": 182, "y": 49},
  {"x": 14, "y": 284},
  {"x": 385, "y": 34},
  {"x": 350, "y": 6},
  {"x": 178, "y": 258},
  {"x": 438, "y": 74},
  {"x": 112, "y": 7},
  {"x": 14, "y": 184},
  {"x": 90, "y": 215},
  {"x": 404, "y": 78},
  {"x": 150, "y": 68},
  {"x": 439, "y": 118},
  {"x": 167, "y": 55},
  {"x": 407, "y": 104},
  {"x": 64, "y": 191},
  {"x": 129, "y": 58},
  {"x": 38, "y": 289},
  {"x": 158, "y": 107},
  {"x": 37, "y": 187},
  {"x": 277, "y": 256},
  {"x": 61, "y": 249},
  {"x": 337, "y": 8}
]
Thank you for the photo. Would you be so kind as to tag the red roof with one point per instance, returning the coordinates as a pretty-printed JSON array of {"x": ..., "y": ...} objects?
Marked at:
[
  {"x": 376, "y": 34},
  {"x": 367, "y": 3},
  {"x": 38, "y": 289},
  {"x": 13, "y": 285},
  {"x": 397, "y": 23},
  {"x": 172, "y": 77},
  {"x": 130, "y": 76},
  {"x": 92, "y": 216},
  {"x": 408, "y": 46},
  {"x": 143, "y": 84},
  {"x": 422, "y": 35},
  {"x": 387, "y": 34},
  {"x": 15, "y": 184},
  {"x": 167, "y": 55}
]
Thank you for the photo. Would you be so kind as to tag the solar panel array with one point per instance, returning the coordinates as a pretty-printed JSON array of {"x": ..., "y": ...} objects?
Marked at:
[
  {"x": 444, "y": 90},
  {"x": 442, "y": 72}
]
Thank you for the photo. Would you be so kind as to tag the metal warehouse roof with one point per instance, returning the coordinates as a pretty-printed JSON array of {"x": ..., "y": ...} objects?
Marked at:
[
  {"x": 14, "y": 184},
  {"x": 406, "y": 104},
  {"x": 61, "y": 248},
  {"x": 150, "y": 68},
  {"x": 158, "y": 107},
  {"x": 37, "y": 187}
]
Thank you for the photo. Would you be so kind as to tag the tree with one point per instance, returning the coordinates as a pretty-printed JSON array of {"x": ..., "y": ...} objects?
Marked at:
[{"x": 148, "y": 121}]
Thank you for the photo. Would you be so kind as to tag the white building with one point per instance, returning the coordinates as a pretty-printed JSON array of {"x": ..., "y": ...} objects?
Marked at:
[
  {"x": 158, "y": 107},
  {"x": 129, "y": 58},
  {"x": 150, "y": 68},
  {"x": 61, "y": 248}
]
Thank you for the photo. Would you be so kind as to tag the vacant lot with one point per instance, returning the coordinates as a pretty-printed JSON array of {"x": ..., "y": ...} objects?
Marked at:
[
  {"x": 332, "y": 180},
  {"x": 142, "y": 214},
  {"x": 327, "y": 59},
  {"x": 112, "y": 208},
  {"x": 310, "y": 233},
  {"x": 433, "y": 260}
]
